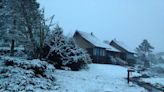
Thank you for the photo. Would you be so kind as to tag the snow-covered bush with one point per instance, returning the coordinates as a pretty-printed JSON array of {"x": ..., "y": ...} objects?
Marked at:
[
  {"x": 154, "y": 70},
  {"x": 118, "y": 61},
  {"x": 25, "y": 75},
  {"x": 131, "y": 62},
  {"x": 113, "y": 60},
  {"x": 20, "y": 53},
  {"x": 159, "y": 68},
  {"x": 63, "y": 51},
  {"x": 78, "y": 59}
]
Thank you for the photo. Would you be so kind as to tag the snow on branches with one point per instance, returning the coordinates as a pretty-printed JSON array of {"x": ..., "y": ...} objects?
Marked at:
[{"x": 63, "y": 51}]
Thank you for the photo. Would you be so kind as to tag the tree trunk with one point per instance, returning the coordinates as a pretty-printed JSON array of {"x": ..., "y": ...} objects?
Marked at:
[{"x": 12, "y": 48}]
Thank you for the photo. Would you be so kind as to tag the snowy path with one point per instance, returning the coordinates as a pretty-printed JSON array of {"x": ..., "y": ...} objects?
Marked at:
[{"x": 99, "y": 78}]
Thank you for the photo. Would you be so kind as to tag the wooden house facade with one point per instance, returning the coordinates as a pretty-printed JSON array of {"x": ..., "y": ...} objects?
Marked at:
[
  {"x": 127, "y": 54},
  {"x": 93, "y": 45},
  {"x": 101, "y": 52}
]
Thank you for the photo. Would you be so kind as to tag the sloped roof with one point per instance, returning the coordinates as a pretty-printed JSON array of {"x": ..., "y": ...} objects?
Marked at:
[
  {"x": 111, "y": 48},
  {"x": 121, "y": 44},
  {"x": 93, "y": 39}
]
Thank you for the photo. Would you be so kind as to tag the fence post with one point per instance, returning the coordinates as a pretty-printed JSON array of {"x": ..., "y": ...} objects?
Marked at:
[{"x": 130, "y": 70}]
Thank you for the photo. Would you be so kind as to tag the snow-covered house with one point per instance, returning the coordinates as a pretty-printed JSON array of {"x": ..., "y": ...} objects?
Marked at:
[
  {"x": 93, "y": 45},
  {"x": 128, "y": 54},
  {"x": 113, "y": 51},
  {"x": 99, "y": 51}
]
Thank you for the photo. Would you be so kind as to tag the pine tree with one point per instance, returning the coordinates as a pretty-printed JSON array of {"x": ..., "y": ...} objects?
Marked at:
[
  {"x": 3, "y": 26},
  {"x": 8, "y": 22},
  {"x": 1, "y": 20},
  {"x": 145, "y": 47},
  {"x": 55, "y": 46},
  {"x": 63, "y": 51},
  {"x": 25, "y": 24},
  {"x": 77, "y": 58},
  {"x": 143, "y": 50}
]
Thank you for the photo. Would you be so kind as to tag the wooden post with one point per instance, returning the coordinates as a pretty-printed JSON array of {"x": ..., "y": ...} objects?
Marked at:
[
  {"x": 12, "y": 48},
  {"x": 128, "y": 76},
  {"x": 130, "y": 70}
]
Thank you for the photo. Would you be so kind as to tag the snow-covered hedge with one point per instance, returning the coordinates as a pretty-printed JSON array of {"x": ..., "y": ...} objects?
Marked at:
[
  {"x": 154, "y": 71},
  {"x": 118, "y": 61},
  {"x": 25, "y": 75},
  {"x": 158, "y": 68}
]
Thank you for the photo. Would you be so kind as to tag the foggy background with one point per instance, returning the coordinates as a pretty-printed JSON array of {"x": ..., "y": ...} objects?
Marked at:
[{"x": 129, "y": 21}]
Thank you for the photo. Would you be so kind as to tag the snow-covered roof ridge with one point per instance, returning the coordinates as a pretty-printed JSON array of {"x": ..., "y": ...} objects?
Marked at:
[
  {"x": 121, "y": 44},
  {"x": 93, "y": 39},
  {"x": 111, "y": 48}
]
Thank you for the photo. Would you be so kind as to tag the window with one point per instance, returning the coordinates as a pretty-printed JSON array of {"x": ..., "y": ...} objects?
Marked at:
[
  {"x": 94, "y": 51},
  {"x": 103, "y": 53},
  {"x": 98, "y": 52}
]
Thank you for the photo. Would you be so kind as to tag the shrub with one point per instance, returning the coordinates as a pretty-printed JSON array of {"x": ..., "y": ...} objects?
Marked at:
[
  {"x": 39, "y": 70},
  {"x": 37, "y": 66},
  {"x": 9, "y": 62},
  {"x": 76, "y": 66},
  {"x": 26, "y": 75},
  {"x": 131, "y": 62},
  {"x": 63, "y": 51},
  {"x": 55, "y": 59}
]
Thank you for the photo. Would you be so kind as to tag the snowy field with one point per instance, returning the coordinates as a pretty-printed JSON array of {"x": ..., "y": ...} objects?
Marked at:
[
  {"x": 158, "y": 82},
  {"x": 157, "y": 76},
  {"x": 99, "y": 78}
]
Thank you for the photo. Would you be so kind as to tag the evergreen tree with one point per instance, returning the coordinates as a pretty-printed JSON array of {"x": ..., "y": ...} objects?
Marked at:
[
  {"x": 145, "y": 47},
  {"x": 3, "y": 24},
  {"x": 63, "y": 51},
  {"x": 8, "y": 21},
  {"x": 1, "y": 20},
  {"x": 55, "y": 44},
  {"x": 30, "y": 21},
  {"x": 25, "y": 24},
  {"x": 77, "y": 58},
  {"x": 143, "y": 50}
]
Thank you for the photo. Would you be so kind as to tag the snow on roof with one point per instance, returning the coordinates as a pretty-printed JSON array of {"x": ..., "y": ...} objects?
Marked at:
[
  {"x": 93, "y": 39},
  {"x": 121, "y": 44},
  {"x": 113, "y": 49}
]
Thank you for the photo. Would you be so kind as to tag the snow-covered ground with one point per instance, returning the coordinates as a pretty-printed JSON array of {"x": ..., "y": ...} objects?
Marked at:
[
  {"x": 20, "y": 75},
  {"x": 99, "y": 78},
  {"x": 158, "y": 82},
  {"x": 156, "y": 73}
]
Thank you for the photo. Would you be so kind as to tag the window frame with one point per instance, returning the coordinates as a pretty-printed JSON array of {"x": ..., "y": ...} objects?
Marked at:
[{"x": 99, "y": 52}]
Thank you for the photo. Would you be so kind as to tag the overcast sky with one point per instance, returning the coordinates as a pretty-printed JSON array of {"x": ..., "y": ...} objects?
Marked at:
[{"x": 129, "y": 21}]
